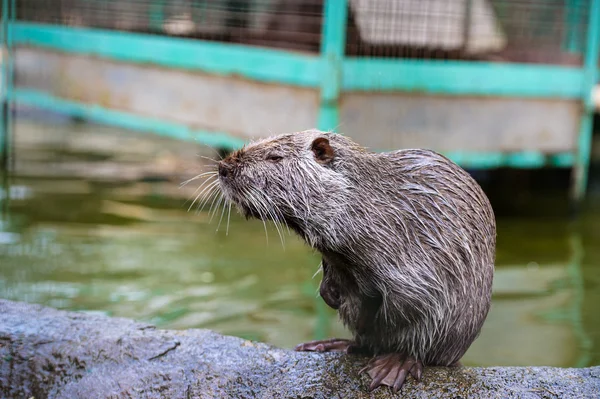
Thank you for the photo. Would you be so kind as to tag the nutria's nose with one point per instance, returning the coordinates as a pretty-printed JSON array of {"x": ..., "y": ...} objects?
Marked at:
[{"x": 224, "y": 168}]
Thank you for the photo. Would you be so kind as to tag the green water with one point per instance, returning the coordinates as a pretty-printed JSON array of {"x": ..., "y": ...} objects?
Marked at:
[{"x": 132, "y": 249}]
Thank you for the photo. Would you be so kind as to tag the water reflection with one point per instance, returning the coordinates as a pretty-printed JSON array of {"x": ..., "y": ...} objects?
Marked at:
[
  {"x": 536, "y": 315},
  {"x": 175, "y": 271},
  {"x": 6, "y": 237},
  {"x": 131, "y": 249}
]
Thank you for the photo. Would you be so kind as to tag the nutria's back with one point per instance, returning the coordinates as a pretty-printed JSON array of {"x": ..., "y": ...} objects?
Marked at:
[
  {"x": 434, "y": 260},
  {"x": 408, "y": 237}
]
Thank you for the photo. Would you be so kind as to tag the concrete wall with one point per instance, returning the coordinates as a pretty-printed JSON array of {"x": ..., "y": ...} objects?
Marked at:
[
  {"x": 245, "y": 109},
  {"x": 214, "y": 103},
  {"x": 383, "y": 121}
]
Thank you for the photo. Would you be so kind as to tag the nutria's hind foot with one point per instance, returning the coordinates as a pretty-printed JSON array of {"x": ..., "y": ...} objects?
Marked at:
[
  {"x": 392, "y": 370},
  {"x": 328, "y": 345}
]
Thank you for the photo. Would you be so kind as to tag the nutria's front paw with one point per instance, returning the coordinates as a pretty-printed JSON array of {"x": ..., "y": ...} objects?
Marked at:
[
  {"x": 328, "y": 345},
  {"x": 392, "y": 370},
  {"x": 330, "y": 295},
  {"x": 329, "y": 290}
]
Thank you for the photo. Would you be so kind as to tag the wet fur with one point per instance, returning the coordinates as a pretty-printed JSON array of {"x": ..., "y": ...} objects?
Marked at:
[{"x": 407, "y": 237}]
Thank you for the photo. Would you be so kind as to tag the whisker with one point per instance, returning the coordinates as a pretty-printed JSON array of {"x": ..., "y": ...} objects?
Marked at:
[
  {"x": 220, "y": 202},
  {"x": 222, "y": 213},
  {"x": 276, "y": 222},
  {"x": 198, "y": 189},
  {"x": 258, "y": 208},
  {"x": 215, "y": 151},
  {"x": 266, "y": 234},
  {"x": 211, "y": 193},
  {"x": 318, "y": 270},
  {"x": 206, "y": 190},
  {"x": 209, "y": 159},
  {"x": 282, "y": 219},
  {"x": 211, "y": 213},
  {"x": 210, "y": 172},
  {"x": 228, "y": 216},
  {"x": 269, "y": 212}
]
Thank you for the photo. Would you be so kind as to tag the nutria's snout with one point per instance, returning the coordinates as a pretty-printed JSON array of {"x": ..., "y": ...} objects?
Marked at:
[
  {"x": 224, "y": 168},
  {"x": 229, "y": 163}
]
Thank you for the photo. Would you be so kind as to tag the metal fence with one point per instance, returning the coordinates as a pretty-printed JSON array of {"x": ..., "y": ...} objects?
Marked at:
[
  {"x": 388, "y": 71},
  {"x": 551, "y": 31}
]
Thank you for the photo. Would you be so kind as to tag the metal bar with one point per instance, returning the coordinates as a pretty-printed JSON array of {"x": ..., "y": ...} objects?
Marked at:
[
  {"x": 266, "y": 65},
  {"x": 157, "y": 15},
  {"x": 584, "y": 142},
  {"x": 592, "y": 53},
  {"x": 573, "y": 18},
  {"x": 10, "y": 111},
  {"x": 520, "y": 159},
  {"x": 4, "y": 128},
  {"x": 463, "y": 78},
  {"x": 332, "y": 55},
  {"x": 8, "y": 16},
  {"x": 467, "y": 20},
  {"x": 255, "y": 63}
]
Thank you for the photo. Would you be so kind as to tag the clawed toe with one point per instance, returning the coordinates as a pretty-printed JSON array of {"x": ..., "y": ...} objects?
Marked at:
[
  {"x": 391, "y": 370},
  {"x": 328, "y": 345}
]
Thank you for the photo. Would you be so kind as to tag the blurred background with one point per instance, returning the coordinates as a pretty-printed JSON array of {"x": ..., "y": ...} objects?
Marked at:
[{"x": 108, "y": 106}]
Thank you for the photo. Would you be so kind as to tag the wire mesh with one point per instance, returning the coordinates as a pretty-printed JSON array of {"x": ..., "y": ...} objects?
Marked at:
[
  {"x": 289, "y": 24},
  {"x": 541, "y": 31}
]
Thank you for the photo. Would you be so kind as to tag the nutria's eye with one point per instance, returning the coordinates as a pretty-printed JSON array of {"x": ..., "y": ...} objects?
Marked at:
[{"x": 274, "y": 158}]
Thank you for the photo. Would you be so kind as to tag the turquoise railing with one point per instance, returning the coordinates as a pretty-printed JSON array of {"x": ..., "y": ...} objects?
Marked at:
[
  {"x": 6, "y": 73},
  {"x": 590, "y": 79}
]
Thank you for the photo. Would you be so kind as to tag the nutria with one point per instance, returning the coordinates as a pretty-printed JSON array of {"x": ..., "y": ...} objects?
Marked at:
[{"x": 407, "y": 240}]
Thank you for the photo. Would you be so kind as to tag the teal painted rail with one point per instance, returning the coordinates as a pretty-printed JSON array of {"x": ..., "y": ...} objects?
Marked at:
[
  {"x": 573, "y": 19},
  {"x": 6, "y": 81},
  {"x": 260, "y": 64},
  {"x": 590, "y": 68},
  {"x": 4, "y": 131},
  {"x": 463, "y": 78},
  {"x": 332, "y": 55},
  {"x": 330, "y": 72}
]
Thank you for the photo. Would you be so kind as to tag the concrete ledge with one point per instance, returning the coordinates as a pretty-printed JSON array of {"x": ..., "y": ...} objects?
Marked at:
[{"x": 46, "y": 353}]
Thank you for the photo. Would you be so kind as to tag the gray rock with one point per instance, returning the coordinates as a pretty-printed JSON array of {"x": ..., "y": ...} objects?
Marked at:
[{"x": 47, "y": 353}]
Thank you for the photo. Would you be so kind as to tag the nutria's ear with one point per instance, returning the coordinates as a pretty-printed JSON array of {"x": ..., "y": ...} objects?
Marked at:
[{"x": 322, "y": 150}]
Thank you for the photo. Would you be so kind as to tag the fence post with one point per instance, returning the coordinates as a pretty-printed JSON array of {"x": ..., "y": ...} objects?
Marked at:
[
  {"x": 590, "y": 69},
  {"x": 4, "y": 84},
  {"x": 333, "y": 43},
  {"x": 573, "y": 18},
  {"x": 157, "y": 15}
]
